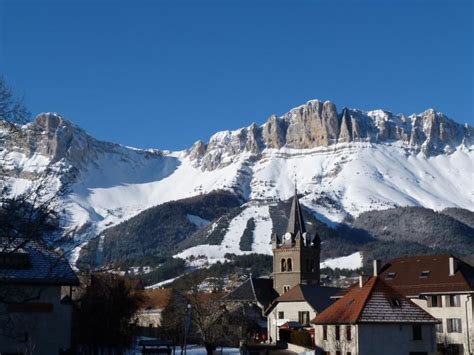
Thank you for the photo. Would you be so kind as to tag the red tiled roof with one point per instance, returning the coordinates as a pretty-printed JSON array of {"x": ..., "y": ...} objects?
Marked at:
[
  {"x": 156, "y": 298},
  {"x": 408, "y": 282},
  {"x": 373, "y": 303}
]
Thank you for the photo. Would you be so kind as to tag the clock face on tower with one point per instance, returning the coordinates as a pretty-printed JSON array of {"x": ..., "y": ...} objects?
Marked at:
[{"x": 287, "y": 236}]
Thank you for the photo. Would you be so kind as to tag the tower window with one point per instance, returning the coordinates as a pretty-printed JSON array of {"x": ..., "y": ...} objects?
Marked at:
[
  {"x": 283, "y": 265},
  {"x": 286, "y": 288},
  {"x": 289, "y": 264},
  {"x": 312, "y": 266}
]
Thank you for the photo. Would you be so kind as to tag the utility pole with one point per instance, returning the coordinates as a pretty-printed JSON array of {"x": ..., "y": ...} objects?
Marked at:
[{"x": 186, "y": 320}]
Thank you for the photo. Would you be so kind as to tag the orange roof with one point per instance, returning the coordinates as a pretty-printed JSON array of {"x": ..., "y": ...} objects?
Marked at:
[
  {"x": 373, "y": 302},
  {"x": 156, "y": 298}
]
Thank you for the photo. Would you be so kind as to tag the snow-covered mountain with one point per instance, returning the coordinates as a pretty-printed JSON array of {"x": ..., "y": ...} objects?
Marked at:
[{"x": 344, "y": 164}]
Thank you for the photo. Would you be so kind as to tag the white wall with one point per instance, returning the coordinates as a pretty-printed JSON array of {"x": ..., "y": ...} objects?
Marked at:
[
  {"x": 146, "y": 318},
  {"x": 368, "y": 339},
  {"x": 290, "y": 310},
  {"x": 443, "y": 313},
  {"x": 48, "y": 331}
]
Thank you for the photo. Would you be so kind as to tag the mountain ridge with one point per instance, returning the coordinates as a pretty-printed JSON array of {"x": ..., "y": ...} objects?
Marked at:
[{"x": 377, "y": 161}]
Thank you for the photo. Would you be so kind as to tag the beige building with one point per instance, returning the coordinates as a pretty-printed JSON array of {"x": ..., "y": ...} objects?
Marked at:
[
  {"x": 34, "y": 318},
  {"x": 295, "y": 308},
  {"x": 443, "y": 286},
  {"x": 155, "y": 301},
  {"x": 373, "y": 318}
]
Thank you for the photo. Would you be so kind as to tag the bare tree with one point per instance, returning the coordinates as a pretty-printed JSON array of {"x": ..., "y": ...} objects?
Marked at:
[
  {"x": 28, "y": 219},
  {"x": 12, "y": 108}
]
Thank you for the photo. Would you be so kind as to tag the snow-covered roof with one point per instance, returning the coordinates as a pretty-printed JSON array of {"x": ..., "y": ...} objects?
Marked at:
[{"x": 39, "y": 265}]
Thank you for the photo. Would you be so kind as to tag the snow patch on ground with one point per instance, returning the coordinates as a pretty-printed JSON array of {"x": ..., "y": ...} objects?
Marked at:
[
  {"x": 351, "y": 262},
  {"x": 231, "y": 240},
  {"x": 197, "y": 221},
  {"x": 163, "y": 283}
]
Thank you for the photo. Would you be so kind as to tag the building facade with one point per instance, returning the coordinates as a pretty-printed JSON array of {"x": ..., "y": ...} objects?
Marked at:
[
  {"x": 297, "y": 307},
  {"x": 443, "y": 286},
  {"x": 373, "y": 318},
  {"x": 34, "y": 317}
]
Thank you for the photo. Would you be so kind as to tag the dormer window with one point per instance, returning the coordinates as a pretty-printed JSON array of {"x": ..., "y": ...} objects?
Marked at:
[
  {"x": 390, "y": 276},
  {"x": 424, "y": 274},
  {"x": 395, "y": 302}
]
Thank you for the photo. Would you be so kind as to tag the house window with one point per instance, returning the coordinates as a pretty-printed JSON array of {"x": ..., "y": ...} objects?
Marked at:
[
  {"x": 283, "y": 265},
  {"x": 325, "y": 332},
  {"x": 348, "y": 332},
  {"x": 424, "y": 274},
  {"x": 435, "y": 301},
  {"x": 439, "y": 326},
  {"x": 453, "y": 301},
  {"x": 417, "y": 332},
  {"x": 281, "y": 315},
  {"x": 303, "y": 318},
  {"x": 454, "y": 325},
  {"x": 337, "y": 331},
  {"x": 289, "y": 264},
  {"x": 395, "y": 302}
]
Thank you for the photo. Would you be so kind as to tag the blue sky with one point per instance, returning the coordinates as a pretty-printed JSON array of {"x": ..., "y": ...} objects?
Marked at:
[{"x": 166, "y": 73}]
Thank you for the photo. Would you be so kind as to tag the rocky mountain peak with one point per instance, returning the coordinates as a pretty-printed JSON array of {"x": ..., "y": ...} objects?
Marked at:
[{"x": 318, "y": 124}]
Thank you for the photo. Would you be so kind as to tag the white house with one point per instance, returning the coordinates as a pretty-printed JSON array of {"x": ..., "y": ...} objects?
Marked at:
[
  {"x": 442, "y": 285},
  {"x": 295, "y": 308},
  {"x": 33, "y": 316},
  {"x": 372, "y": 318}
]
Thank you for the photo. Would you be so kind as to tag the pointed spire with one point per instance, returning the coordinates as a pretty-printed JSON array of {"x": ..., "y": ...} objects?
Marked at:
[{"x": 296, "y": 222}]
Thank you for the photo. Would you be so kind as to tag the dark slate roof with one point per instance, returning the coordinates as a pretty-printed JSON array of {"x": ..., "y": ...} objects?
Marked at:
[
  {"x": 374, "y": 302},
  {"x": 44, "y": 266},
  {"x": 254, "y": 290},
  {"x": 296, "y": 222},
  {"x": 404, "y": 275},
  {"x": 318, "y": 297}
]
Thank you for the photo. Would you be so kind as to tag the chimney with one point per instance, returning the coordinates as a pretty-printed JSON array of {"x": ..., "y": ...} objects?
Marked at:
[
  {"x": 361, "y": 281},
  {"x": 377, "y": 266},
  {"x": 452, "y": 266}
]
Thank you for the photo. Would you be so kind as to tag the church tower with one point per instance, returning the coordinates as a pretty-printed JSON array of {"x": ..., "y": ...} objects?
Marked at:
[{"x": 296, "y": 254}]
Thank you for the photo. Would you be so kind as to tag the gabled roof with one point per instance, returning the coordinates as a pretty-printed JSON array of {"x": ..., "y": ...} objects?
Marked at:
[
  {"x": 44, "y": 266},
  {"x": 254, "y": 290},
  {"x": 404, "y": 275},
  {"x": 318, "y": 297},
  {"x": 374, "y": 302}
]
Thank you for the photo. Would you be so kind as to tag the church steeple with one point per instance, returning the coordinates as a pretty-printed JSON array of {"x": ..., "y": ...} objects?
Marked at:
[
  {"x": 296, "y": 253},
  {"x": 296, "y": 221}
]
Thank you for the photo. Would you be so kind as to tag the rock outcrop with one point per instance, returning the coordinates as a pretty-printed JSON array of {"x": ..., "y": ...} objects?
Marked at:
[{"x": 318, "y": 124}]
